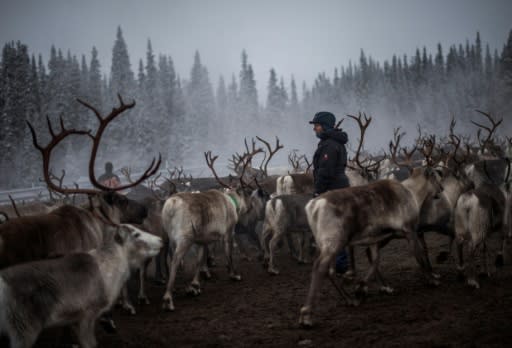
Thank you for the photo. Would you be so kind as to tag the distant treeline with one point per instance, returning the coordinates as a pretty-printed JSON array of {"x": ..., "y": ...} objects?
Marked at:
[{"x": 182, "y": 117}]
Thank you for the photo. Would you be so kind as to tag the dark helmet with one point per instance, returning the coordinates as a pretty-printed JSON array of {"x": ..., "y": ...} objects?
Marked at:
[{"x": 325, "y": 118}]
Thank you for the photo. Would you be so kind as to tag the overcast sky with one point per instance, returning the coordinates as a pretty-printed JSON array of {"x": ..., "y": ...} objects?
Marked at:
[{"x": 299, "y": 37}]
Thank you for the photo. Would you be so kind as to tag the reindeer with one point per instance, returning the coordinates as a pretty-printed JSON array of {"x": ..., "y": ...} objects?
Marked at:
[
  {"x": 437, "y": 214},
  {"x": 75, "y": 289},
  {"x": 285, "y": 214},
  {"x": 69, "y": 228},
  {"x": 481, "y": 211},
  {"x": 370, "y": 215},
  {"x": 202, "y": 218}
]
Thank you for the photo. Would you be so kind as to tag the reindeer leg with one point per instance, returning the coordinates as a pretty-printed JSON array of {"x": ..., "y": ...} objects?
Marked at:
[
  {"x": 460, "y": 260},
  {"x": 278, "y": 234},
  {"x": 304, "y": 242},
  {"x": 85, "y": 333},
  {"x": 471, "y": 274},
  {"x": 194, "y": 288},
  {"x": 204, "y": 270},
  {"x": 25, "y": 339},
  {"x": 181, "y": 249},
  {"x": 210, "y": 254},
  {"x": 373, "y": 256},
  {"x": 228, "y": 246},
  {"x": 318, "y": 273},
  {"x": 265, "y": 234},
  {"x": 444, "y": 254},
  {"x": 142, "y": 298},
  {"x": 421, "y": 256},
  {"x": 351, "y": 272},
  {"x": 126, "y": 304},
  {"x": 291, "y": 246},
  {"x": 159, "y": 259},
  {"x": 421, "y": 239}
]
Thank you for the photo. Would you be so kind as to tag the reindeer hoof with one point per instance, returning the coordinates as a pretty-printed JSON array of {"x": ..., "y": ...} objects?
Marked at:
[
  {"x": 473, "y": 283},
  {"x": 442, "y": 257},
  {"x": 273, "y": 271},
  {"x": 435, "y": 275},
  {"x": 108, "y": 324},
  {"x": 193, "y": 290},
  {"x": 235, "y": 277},
  {"x": 167, "y": 304},
  {"x": 143, "y": 300},
  {"x": 128, "y": 308},
  {"x": 387, "y": 290},
  {"x": 349, "y": 275},
  {"x": 305, "y": 319}
]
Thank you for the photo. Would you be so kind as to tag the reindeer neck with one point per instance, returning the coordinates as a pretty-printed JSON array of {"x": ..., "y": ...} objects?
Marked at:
[
  {"x": 114, "y": 268},
  {"x": 418, "y": 186},
  {"x": 234, "y": 200},
  {"x": 452, "y": 189}
]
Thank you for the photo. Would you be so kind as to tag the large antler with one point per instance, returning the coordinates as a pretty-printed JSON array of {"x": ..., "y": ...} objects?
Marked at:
[
  {"x": 394, "y": 150},
  {"x": 487, "y": 142},
  {"x": 454, "y": 140},
  {"x": 363, "y": 126},
  {"x": 46, "y": 152},
  {"x": 246, "y": 160},
  {"x": 104, "y": 121},
  {"x": 271, "y": 153},
  {"x": 296, "y": 161},
  {"x": 56, "y": 138},
  {"x": 210, "y": 162}
]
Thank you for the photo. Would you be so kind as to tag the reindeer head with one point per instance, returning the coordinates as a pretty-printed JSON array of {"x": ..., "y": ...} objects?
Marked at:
[
  {"x": 434, "y": 178},
  {"x": 139, "y": 245},
  {"x": 118, "y": 208}
]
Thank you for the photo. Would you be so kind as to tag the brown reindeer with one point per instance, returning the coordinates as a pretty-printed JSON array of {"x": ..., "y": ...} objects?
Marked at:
[
  {"x": 70, "y": 228},
  {"x": 202, "y": 218},
  {"x": 370, "y": 215}
]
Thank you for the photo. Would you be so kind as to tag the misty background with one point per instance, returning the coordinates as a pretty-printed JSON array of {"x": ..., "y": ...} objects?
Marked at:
[{"x": 207, "y": 74}]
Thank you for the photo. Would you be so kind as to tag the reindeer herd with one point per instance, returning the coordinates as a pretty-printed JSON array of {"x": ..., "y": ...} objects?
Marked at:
[{"x": 66, "y": 263}]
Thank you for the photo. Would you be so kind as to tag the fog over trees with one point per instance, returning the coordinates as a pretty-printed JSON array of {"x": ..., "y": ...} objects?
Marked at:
[{"x": 183, "y": 116}]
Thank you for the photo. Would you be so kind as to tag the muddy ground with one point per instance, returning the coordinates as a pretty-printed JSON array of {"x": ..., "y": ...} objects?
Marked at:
[{"x": 263, "y": 310}]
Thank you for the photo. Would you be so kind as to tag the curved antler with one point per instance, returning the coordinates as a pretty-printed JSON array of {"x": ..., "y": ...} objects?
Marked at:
[
  {"x": 56, "y": 138},
  {"x": 96, "y": 138},
  {"x": 363, "y": 126},
  {"x": 210, "y": 161},
  {"x": 394, "y": 150},
  {"x": 264, "y": 163}
]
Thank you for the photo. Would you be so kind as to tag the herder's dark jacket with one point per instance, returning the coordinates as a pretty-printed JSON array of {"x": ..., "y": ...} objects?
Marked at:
[{"x": 329, "y": 161}]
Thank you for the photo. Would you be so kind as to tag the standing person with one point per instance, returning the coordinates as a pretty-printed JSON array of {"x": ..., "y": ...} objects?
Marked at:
[
  {"x": 109, "y": 179},
  {"x": 329, "y": 162}
]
